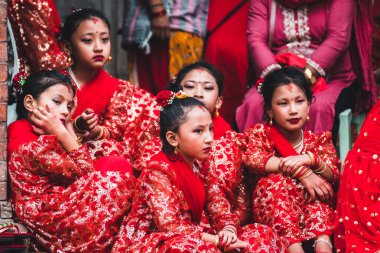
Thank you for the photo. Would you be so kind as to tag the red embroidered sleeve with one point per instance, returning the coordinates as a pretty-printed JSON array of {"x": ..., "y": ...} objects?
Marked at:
[
  {"x": 35, "y": 30},
  {"x": 226, "y": 195},
  {"x": 258, "y": 149},
  {"x": 325, "y": 150},
  {"x": 46, "y": 156},
  {"x": 168, "y": 205}
]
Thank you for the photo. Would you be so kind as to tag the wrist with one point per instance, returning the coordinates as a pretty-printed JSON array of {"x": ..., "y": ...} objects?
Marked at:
[{"x": 159, "y": 13}]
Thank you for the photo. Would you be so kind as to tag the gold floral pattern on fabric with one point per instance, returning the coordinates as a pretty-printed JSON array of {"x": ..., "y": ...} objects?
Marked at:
[
  {"x": 161, "y": 219},
  {"x": 59, "y": 197},
  {"x": 36, "y": 35},
  {"x": 283, "y": 202}
]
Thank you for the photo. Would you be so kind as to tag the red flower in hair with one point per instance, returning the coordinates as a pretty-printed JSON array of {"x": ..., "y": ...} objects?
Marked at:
[
  {"x": 164, "y": 98},
  {"x": 173, "y": 79},
  {"x": 259, "y": 85},
  {"x": 19, "y": 80}
]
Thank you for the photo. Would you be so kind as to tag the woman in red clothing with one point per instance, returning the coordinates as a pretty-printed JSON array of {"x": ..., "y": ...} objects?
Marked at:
[
  {"x": 296, "y": 169},
  {"x": 56, "y": 191},
  {"x": 357, "y": 220}
]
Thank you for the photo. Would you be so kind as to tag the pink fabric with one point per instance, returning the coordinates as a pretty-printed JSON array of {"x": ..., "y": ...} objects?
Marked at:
[{"x": 328, "y": 48}]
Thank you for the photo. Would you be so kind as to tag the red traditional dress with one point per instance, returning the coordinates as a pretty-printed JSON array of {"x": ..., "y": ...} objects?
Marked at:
[
  {"x": 283, "y": 202},
  {"x": 357, "y": 220},
  {"x": 228, "y": 199},
  {"x": 166, "y": 210},
  {"x": 36, "y": 26},
  {"x": 57, "y": 194},
  {"x": 129, "y": 113}
]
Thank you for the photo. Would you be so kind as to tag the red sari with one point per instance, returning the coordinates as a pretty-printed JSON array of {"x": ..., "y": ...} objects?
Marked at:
[
  {"x": 228, "y": 197},
  {"x": 357, "y": 220},
  {"x": 58, "y": 195},
  {"x": 282, "y": 202},
  {"x": 166, "y": 210},
  {"x": 129, "y": 113}
]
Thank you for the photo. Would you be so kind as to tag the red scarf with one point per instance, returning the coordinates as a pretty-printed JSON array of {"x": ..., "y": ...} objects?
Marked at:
[
  {"x": 97, "y": 93},
  {"x": 281, "y": 144},
  {"x": 220, "y": 127},
  {"x": 190, "y": 184},
  {"x": 20, "y": 132}
]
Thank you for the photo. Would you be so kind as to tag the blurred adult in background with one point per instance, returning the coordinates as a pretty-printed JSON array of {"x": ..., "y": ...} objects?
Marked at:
[
  {"x": 319, "y": 31},
  {"x": 161, "y": 37}
]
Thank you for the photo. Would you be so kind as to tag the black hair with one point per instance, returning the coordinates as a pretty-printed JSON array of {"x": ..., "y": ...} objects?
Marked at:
[
  {"x": 176, "y": 86},
  {"x": 173, "y": 115},
  {"x": 35, "y": 84},
  {"x": 281, "y": 77},
  {"x": 76, "y": 18}
]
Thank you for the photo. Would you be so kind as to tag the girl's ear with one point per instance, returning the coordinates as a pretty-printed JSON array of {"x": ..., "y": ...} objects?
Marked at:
[
  {"x": 66, "y": 48},
  {"x": 219, "y": 102},
  {"x": 30, "y": 103},
  {"x": 172, "y": 138}
]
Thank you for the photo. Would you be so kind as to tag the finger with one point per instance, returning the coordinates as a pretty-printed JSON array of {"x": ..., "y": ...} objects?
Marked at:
[
  {"x": 92, "y": 126},
  {"x": 319, "y": 193},
  {"x": 312, "y": 194},
  {"x": 47, "y": 108}
]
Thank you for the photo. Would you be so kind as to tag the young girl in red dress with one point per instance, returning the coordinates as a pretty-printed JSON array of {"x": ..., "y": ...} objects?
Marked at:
[
  {"x": 170, "y": 197},
  {"x": 107, "y": 107},
  {"x": 56, "y": 190},
  {"x": 296, "y": 168}
]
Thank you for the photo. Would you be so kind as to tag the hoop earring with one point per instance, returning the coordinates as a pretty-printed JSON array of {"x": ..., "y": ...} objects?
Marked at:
[
  {"x": 109, "y": 58},
  {"x": 176, "y": 150},
  {"x": 216, "y": 114}
]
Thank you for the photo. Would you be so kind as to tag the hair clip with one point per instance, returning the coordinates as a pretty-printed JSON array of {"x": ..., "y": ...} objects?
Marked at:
[
  {"x": 19, "y": 81},
  {"x": 259, "y": 85},
  {"x": 166, "y": 97}
]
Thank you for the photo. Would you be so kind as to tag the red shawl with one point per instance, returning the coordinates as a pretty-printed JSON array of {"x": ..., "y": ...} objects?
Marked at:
[
  {"x": 97, "y": 93},
  {"x": 281, "y": 144},
  {"x": 20, "y": 132},
  {"x": 190, "y": 184},
  {"x": 220, "y": 127}
]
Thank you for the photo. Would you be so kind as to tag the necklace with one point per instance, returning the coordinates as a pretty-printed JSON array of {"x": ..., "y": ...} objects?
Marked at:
[
  {"x": 299, "y": 146},
  {"x": 73, "y": 78}
]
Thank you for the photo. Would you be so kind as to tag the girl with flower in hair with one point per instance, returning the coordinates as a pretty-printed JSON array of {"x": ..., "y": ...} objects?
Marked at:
[
  {"x": 170, "y": 194},
  {"x": 70, "y": 203},
  {"x": 296, "y": 170}
]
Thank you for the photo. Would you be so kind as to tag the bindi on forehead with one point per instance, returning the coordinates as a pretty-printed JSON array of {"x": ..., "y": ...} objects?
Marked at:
[
  {"x": 289, "y": 87},
  {"x": 95, "y": 20}
]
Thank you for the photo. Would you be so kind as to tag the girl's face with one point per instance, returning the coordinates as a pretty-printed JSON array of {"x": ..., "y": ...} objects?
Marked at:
[
  {"x": 195, "y": 136},
  {"x": 90, "y": 44},
  {"x": 200, "y": 84},
  {"x": 289, "y": 107},
  {"x": 58, "y": 99}
]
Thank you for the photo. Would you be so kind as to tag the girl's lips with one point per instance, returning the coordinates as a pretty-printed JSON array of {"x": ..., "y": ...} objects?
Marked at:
[
  {"x": 98, "y": 58},
  {"x": 63, "y": 121},
  {"x": 294, "y": 121},
  {"x": 207, "y": 150}
]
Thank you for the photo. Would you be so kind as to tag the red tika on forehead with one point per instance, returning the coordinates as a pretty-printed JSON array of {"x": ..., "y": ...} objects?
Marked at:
[
  {"x": 289, "y": 87},
  {"x": 95, "y": 20}
]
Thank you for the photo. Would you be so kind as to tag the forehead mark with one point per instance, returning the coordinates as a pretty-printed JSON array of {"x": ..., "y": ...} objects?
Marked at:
[
  {"x": 289, "y": 87},
  {"x": 95, "y": 20}
]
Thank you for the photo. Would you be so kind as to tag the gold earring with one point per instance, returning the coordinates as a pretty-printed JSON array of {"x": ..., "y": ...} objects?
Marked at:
[
  {"x": 69, "y": 60},
  {"x": 176, "y": 151},
  {"x": 270, "y": 120},
  {"x": 307, "y": 118},
  {"x": 216, "y": 114},
  {"x": 109, "y": 58}
]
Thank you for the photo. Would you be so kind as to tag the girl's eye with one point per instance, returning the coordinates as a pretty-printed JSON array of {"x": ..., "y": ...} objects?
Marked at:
[
  {"x": 198, "y": 131},
  {"x": 209, "y": 88},
  {"x": 87, "y": 41},
  {"x": 301, "y": 101},
  {"x": 56, "y": 102},
  {"x": 105, "y": 40},
  {"x": 188, "y": 86}
]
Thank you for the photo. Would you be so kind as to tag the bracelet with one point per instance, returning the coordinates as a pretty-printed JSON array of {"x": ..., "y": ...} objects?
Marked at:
[
  {"x": 79, "y": 139},
  {"x": 324, "y": 241},
  {"x": 99, "y": 134},
  {"x": 321, "y": 169},
  {"x": 76, "y": 126},
  {"x": 299, "y": 172},
  {"x": 306, "y": 175},
  {"x": 312, "y": 158},
  {"x": 216, "y": 241},
  {"x": 158, "y": 13},
  {"x": 230, "y": 228}
]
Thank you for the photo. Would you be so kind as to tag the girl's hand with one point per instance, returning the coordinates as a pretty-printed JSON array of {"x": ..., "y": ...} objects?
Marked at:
[
  {"x": 87, "y": 121},
  {"x": 318, "y": 187},
  {"x": 70, "y": 116},
  {"x": 237, "y": 245},
  {"x": 160, "y": 27},
  {"x": 46, "y": 122},
  {"x": 226, "y": 238},
  {"x": 290, "y": 164}
]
